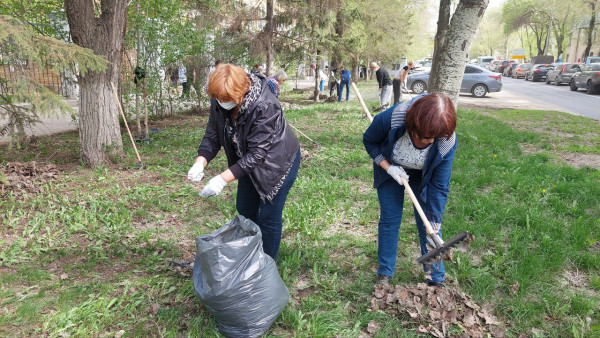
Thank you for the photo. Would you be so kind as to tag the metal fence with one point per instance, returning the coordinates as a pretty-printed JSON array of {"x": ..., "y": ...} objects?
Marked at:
[{"x": 41, "y": 74}]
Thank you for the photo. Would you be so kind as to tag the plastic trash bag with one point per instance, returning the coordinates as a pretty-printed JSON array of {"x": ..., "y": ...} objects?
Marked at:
[{"x": 237, "y": 282}]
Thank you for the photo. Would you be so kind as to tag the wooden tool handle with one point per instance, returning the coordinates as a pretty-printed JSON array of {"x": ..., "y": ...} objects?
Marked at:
[
  {"x": 125, "y": 121},
  {"x": 413, "y": 198},
  {"x": 362, "y": 103}
]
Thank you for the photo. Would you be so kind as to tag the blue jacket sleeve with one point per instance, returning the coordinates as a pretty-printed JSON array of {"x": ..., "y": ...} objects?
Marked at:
[
  {"x": 438, "y": 189},
  {"x": 377, "y": 133}
]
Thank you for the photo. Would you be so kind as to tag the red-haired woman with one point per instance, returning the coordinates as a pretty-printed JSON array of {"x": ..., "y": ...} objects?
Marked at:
[
  {"x": 263, "y": 153},
  {"x": 415, "y": 140}
]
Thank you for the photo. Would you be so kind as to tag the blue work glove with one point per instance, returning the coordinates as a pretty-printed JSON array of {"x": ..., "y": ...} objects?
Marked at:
[{"x": 214, "y": 187}]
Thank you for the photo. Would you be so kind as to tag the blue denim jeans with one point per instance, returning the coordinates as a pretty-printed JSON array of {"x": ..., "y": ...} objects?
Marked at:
[
  {"x": 341, "y": 91},
  {"x": 266, "y": 214},
  {"x": 322, "y": 86},
  {"x": 391, "y": 202}
]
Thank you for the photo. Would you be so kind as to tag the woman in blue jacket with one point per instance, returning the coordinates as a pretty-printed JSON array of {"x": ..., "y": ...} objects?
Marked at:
[{"x": 415, "y": 140}]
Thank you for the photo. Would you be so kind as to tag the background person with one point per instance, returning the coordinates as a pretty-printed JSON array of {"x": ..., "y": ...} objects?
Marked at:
[
  {"x": 414, "y": 140},
  {"x": 263, "y": 154},
  {"x": 323, "y": 78},
  {"x": 275, "y": 81},
  {"x": 345, "y": 76},
  {"x": 400, "y": 81},
  {"x": 185, "y": 86},
  {"x": 385, "y": 85},
  {"x": 334, "y": 82}
]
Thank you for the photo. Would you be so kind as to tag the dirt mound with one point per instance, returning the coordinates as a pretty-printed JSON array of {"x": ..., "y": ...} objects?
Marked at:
[
  {"x": 441, "y": 312},
  {"x": 19, "y": 177}
]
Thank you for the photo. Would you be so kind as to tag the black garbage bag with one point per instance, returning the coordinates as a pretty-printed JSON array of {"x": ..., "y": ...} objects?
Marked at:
[{"x": 237, "y": 282}]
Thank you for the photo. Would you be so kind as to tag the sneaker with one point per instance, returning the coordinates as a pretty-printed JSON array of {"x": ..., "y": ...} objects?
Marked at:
[
  {"x": 383, "y": 279},
  {"x": 435, "y": 284}
]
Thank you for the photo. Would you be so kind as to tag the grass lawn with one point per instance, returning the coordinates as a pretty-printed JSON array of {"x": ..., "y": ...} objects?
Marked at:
[{"x": 88, "y": 253}]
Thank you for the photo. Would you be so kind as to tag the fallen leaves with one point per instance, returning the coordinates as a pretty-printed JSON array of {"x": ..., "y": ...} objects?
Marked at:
[
  {"x": 436, "y": 310},
  {"x": 29, "y": 177}
]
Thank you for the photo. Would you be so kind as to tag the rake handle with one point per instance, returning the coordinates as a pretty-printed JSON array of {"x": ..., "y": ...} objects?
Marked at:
[
  {"x": 413, "y": 198},
  {"x": 362, "y": 103},
  {"x": 125, "y": 121}
]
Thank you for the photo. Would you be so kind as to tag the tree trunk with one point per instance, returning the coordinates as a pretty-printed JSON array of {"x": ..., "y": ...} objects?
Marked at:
[
  {"x": 447, "y": 72},
  {"x": 442, "y": 27},
  {"x": 270, "y": 43},
  {"x": 590, "y": 30},
  {"x": 317, "y": 80},
  {"x": 99, "y": 130}
]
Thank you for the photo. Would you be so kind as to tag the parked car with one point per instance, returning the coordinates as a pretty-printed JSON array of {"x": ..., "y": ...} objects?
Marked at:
[
  {"x": 562, "y": 72},
  {"x": 509, "y": 69},
  {"x": 588, "y": 78},
  {"x": 503, "y": 65},
  {"x": 592, "y": 59},
  {"x": 476, "y": 80},
  {"x": 494, "y": 65},
  {"x": 521, "y": 70},
  {"x": 537, "y": 73},
  {"x": 484, "y": 61}
]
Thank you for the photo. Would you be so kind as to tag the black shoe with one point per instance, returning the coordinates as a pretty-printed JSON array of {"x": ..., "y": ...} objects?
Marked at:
[
  {"x": 383, "y": 279},
  {"x": 436, "y": 284}
]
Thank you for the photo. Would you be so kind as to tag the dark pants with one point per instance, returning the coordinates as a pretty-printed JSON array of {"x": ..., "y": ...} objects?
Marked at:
[
  {"x": 266, "y": 214},
  {"x": 347, "y": 85},
  {"x": 185, "y": 92},
  {"x": 333, "y": 86},
  {"x": 397, "y": 90},
  {"x": 391, "y": 202}
]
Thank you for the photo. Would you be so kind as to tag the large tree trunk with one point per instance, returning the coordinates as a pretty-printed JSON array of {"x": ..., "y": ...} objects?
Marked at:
[
  {"x": 443, "y": 25},
  {"x": 270, "y": 43},
  {"x": 590, "y": 30},
  {"x": 447, "y": 72},
  {"x": 99, "y": 130}
]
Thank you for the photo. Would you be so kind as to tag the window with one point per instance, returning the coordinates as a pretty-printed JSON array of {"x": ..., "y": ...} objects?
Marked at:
[{"x": 472, "y": 70}]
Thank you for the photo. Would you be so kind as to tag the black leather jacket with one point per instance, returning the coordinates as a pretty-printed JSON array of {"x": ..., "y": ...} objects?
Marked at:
[{"x": 266, "y": 142}]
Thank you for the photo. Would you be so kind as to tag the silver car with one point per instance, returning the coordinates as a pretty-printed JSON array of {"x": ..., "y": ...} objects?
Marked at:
[{"x": 476, "y": 80}]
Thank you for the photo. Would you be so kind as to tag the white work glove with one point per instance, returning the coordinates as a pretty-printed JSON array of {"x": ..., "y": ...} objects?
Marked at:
[
  {"x": 196, "y": 172},
  {"x": 396, "y": 172},
  {"x": 214, "y": 187},
  {"x": 431, "y": 244}
]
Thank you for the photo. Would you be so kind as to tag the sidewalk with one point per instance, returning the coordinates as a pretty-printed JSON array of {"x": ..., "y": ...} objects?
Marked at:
[{"x": 49, "y": 125}]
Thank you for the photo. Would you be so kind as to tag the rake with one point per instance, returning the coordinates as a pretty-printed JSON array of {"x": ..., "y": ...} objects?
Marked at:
[{"x": 441, "y": 249}]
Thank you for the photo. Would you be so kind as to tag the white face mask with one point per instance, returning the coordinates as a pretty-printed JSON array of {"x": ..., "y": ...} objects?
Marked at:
[{"x": 227, "y": 105}]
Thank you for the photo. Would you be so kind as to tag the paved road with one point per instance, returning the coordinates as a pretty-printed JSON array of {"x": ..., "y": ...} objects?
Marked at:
[{"x": 579, "y": 103}]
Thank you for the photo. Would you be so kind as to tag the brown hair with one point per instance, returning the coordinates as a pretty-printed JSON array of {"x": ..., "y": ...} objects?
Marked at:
[
  {"x": 228, "y": 83},
  {"x": 432, "y": 116}
]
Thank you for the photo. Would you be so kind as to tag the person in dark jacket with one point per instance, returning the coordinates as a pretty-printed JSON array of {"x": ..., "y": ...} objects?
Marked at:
[
  {"x": 385, "y": 85},
  {"x": 414, "y": 140},
  {"x": 263, "y": 153}
]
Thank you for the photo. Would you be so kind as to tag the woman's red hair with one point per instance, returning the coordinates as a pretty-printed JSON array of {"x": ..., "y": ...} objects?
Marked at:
[
  {"x": 228, "y": 83},
  {"x": 432, "y": 116}
]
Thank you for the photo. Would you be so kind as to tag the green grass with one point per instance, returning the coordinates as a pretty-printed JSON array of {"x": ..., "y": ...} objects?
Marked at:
[{"x": 89, "y": 256}]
